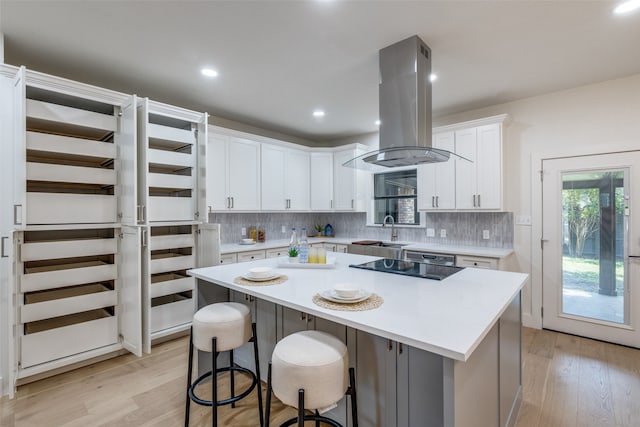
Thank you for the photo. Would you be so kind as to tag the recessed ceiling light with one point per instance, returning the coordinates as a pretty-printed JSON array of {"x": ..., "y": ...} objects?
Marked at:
[
  {"x": 377, "y": 122},
  {"x": 433, "y": 77},
  {"x": 318, "y": 113},
  {"x": 209, "y": 72},
  {"x": 627, "y": 6}
]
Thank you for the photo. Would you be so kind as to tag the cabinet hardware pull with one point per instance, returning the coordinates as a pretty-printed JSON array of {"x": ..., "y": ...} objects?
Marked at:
[
  {"x": 210, "y": 209},
  {"x": 352, "y": 204},
  {"x": 478, "y": 200},
  {"x": 144, "y": 238},
  {"x": 251, "y": 298},
  {"x": 302, "y": 315},
  {"x": 433, "y": 203},
  {"x": 474, "y": 200},
  {"x": 389, "y": 345},
  {"x": 309, "y": 318},
  {"x": 399, "y": 348},
  {"x": 2, "y": 254},
  {"x": 15, "y": 214},
  {"x": 437, "y": 201}
]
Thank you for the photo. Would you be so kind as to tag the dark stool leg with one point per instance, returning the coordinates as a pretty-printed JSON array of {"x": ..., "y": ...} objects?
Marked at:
[
  {"x": 214, "y": 383},
  {"x": 317, "y": 420},
  {"x": 301, "y": 407},
  {"x": 268, "y": 403},
  {"x": 352, "y": 392},
  {"x": 189, "y": 373},
  {"x": 232, "y": 378},
  {"x": 259, "y": 384}
]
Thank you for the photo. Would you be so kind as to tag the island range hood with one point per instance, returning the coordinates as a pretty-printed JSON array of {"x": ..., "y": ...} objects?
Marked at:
[{"x": 404, "y": 108}]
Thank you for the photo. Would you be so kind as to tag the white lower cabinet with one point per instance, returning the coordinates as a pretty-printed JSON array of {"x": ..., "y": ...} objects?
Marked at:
[
  {"x": 477, "y": 262},
  {"x": 167, "y": 289},
  {"x": 75, "y": 298}
]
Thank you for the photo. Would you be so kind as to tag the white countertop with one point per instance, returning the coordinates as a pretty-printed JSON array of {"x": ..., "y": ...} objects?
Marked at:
[
  {"x": 425, "y": 247},
  {"x": 448, "y": 317}
]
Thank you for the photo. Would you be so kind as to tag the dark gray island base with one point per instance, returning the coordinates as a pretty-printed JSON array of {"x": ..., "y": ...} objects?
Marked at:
[{"x": 398, "y": 384}]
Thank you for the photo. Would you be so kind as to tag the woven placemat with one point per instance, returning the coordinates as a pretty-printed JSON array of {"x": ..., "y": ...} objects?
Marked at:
[
  {"x": 374, "y": 301},
  {"x": 242, "y": 281}
]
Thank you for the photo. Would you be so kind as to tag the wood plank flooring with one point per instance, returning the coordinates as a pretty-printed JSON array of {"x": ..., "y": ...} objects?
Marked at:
[{"x": 567, "y": 381}]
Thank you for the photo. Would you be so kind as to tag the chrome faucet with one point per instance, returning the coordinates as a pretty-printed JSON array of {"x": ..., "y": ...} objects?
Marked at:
[{"x": 394, "y": 232}]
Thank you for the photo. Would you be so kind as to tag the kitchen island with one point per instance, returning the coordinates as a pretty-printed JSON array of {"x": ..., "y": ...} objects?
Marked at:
[{"x": 435, "y": 353}]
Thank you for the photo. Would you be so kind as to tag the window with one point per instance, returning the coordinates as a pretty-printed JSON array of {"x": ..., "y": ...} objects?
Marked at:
[{"x": 395, "y": 194}]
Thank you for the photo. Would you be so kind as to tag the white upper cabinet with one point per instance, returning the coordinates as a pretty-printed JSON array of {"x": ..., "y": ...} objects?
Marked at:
[
  {"x": 297, "y": 176},
  {"x": 285, "y": 178},
  {"x": 460, "y": 184},
  {"x": 350, "y": 186},
  {"x": 68, "y": 140},
  {"x": 170, "y": 146},
  {"x": 479, "y": 184},
  {"x": 321, "y": 181},
  {"x": 437, "y": 181},
  {"x": 233, "y": 173}
]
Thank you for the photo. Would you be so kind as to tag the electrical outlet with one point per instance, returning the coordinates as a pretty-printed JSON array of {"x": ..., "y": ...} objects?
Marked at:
[
  {"x": 485, "y": 234},
  {"x": 523, "y": 219},
  {"x": 284, "y": 229},
  {"x": 244, "y": 231},
  {"x": 443, "y": 233},
  {"x": 431, "y": 232}
]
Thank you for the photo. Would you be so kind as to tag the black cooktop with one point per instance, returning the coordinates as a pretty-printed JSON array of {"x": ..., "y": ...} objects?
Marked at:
[{"x": 409, "y": 268}]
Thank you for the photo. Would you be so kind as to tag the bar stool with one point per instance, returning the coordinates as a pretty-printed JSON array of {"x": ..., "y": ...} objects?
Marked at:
[
  {"x": 217, "y": 328},
  {"x": 309, "y": 369}
]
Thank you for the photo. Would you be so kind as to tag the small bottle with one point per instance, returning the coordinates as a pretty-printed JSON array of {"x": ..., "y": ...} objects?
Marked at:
[
  {"x": 253, "y": 234},
  {"x": 293, "y": 242},
  {"x": 261, "y": 234},
  {"x": 303, "y": 252}
]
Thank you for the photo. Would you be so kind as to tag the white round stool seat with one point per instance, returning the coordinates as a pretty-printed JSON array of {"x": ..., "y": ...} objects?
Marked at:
[
  {"x": 314, "y": 361},
  {"x": 229, "y": 322}
]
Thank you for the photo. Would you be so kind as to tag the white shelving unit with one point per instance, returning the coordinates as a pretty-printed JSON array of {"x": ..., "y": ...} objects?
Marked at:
[
  {"x": 171, "y": 207},
  {"x": 76, "y": 280}
]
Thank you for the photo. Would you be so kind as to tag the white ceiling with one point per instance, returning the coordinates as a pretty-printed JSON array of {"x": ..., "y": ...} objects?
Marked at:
[{"x": 280, "y": 60}]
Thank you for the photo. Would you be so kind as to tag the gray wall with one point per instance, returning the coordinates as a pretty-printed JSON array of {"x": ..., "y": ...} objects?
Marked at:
[{"x": 462, "y": 228}]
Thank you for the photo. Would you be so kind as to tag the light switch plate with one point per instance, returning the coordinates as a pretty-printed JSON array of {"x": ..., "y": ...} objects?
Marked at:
[
  {"x": 443, "y": 233},
  {"x": 244, "y": 231},
  {"x": 523, "y": 219},
  {"x": 485, "y": 234},
  {"x": 284, "y": 230},
  {"x": 431, "y": 232}
]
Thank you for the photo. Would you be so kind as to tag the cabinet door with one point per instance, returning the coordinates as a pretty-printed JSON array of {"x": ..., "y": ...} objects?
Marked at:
[
  {"x": 321, "y": 181},
  {"x": 125, "y": 140},
  {"x": 244, "y": 174},
  {"x": 8, "y": 366},
  {"x": 489, "y": 167},
  {"x": 297, "y": 180},
  {"x": 376, "y": 380},
  {"x": 217, "y": 189},
  {"x": 131, "y": 290},
  {"x": 243, "y": 355},
  {"x": 266, "y": 322},
  {"x": 273, "y": 177},
  {"x": 294, "y": 321},
  {"x": 344, "y": 179},
  {"x": 445, "y": 173},
  {"x": 427, "y": 186},
  {"x": 19, "y": 151},
  {"x": 466, "y": 171}
]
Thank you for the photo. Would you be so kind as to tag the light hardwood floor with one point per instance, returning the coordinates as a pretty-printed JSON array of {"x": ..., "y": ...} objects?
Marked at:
[{"x": 567, "y": 381}]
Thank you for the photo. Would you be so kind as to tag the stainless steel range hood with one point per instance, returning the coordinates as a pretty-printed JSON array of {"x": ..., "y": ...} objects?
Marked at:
[{"x": 404, "y": 108}]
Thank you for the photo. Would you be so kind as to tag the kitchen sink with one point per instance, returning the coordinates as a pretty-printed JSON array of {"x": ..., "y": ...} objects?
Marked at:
[{"x": 382, "y": 249}]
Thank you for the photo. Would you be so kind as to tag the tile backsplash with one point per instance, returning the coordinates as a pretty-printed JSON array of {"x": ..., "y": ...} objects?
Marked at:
[{"x": 462, "y": 228}]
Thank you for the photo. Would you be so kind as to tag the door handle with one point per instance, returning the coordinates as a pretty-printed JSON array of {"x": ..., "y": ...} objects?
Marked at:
[
  {"x": 2, "y": 254},
  {"x": 17, "y": 209}
]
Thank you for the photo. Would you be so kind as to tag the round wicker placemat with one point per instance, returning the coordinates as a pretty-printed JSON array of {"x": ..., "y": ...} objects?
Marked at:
[
  {"x": 242, "y": 281},
  {"x": 374, "y": 301}
]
